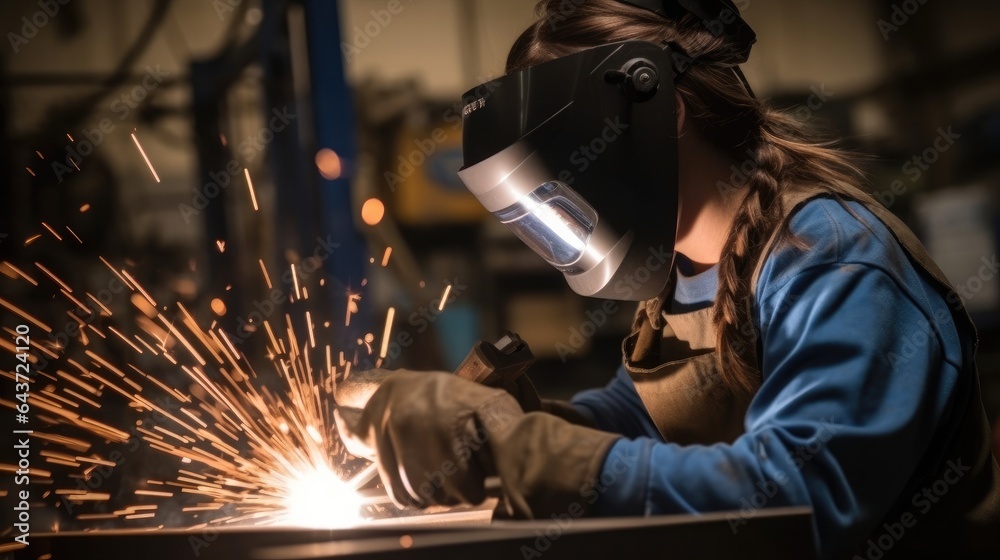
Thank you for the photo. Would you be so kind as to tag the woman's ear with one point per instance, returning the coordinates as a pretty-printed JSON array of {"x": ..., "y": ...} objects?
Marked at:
[{"x": 680, "y": 110}]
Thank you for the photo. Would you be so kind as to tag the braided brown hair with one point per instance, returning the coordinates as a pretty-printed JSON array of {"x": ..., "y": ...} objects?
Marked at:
[{"x": 781, "y": 152}]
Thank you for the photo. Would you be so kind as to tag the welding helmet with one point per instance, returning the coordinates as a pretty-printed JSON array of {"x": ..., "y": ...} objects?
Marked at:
[{"x": 578, "y": 156}]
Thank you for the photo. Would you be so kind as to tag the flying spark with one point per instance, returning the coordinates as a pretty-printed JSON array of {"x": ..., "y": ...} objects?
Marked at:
[
  {"x": 267, "y": 279},
  {"x": 52, "y": 231},
  {"x": 444, "y": 297},
  {"x": 388, "y": 331},
  {"x": 253, "y": 195},
  {"x": 352, "y": 307},
  {"x": 295, "y": 282},
  {"x": 145, "y": 157}
]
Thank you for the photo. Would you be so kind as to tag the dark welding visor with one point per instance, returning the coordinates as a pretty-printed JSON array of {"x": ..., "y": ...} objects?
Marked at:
[{"x": 578, "y": 156}]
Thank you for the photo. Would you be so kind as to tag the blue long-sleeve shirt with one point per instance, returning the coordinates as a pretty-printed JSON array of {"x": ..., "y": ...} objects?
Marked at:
[{"x": 860, "y": 361}]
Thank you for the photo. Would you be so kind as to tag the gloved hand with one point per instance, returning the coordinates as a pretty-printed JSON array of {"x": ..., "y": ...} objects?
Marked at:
[
  {"x": 356, "y": 391},
  {"x": 436, "y": 437},
  {"x": 431, "y": 441}
]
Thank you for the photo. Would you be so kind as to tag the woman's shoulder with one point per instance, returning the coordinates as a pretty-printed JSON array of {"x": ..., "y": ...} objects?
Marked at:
[
  {"x": 838, "y": 246},
  {"x": 833, "y": 232}
]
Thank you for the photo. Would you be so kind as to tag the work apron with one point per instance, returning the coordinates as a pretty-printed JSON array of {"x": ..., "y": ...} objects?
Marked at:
[{"x": 672, "y": 361}]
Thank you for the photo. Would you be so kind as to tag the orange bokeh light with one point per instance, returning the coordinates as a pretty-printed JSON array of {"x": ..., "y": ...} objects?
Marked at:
[
  {"x": 372, "y": 211},
  {"x": 328, "y": 163},
  {"x": 218, "y": 307}
]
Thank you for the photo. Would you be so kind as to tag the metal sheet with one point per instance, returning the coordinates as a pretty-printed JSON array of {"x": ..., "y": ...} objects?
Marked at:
[{"x": 772, "y": 534}]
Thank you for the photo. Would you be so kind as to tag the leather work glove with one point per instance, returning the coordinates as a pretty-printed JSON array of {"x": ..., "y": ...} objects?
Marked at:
[
  {"x": 355, "y": 391},
  {"x": 360, "y": 386},
  {"x": 436, "y": 438}
]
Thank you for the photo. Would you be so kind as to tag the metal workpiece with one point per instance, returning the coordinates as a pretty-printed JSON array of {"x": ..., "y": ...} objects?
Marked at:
[{"x": 772, "y": 534}]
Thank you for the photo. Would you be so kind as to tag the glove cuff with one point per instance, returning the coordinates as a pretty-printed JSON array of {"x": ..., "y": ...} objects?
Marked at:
[{"x": 548, "y": 466}]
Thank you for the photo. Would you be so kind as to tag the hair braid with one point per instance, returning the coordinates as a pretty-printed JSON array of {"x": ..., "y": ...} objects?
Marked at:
[{"x": 759, "y": 215}]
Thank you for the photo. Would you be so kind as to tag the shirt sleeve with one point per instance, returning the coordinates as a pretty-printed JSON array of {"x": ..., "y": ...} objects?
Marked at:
[
  {"x": 617, "y": 408},
  {"x": 854, "y": 383}
]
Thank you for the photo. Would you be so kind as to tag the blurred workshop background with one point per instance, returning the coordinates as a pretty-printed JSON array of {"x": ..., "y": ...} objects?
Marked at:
[{"x": 345, "y": 117}]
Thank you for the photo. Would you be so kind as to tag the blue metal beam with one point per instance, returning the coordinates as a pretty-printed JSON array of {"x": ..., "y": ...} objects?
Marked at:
[{"x": 335, "y": 128}]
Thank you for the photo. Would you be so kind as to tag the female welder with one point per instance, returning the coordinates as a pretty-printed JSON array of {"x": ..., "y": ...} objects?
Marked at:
[{"x": 795, "y": 345}]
